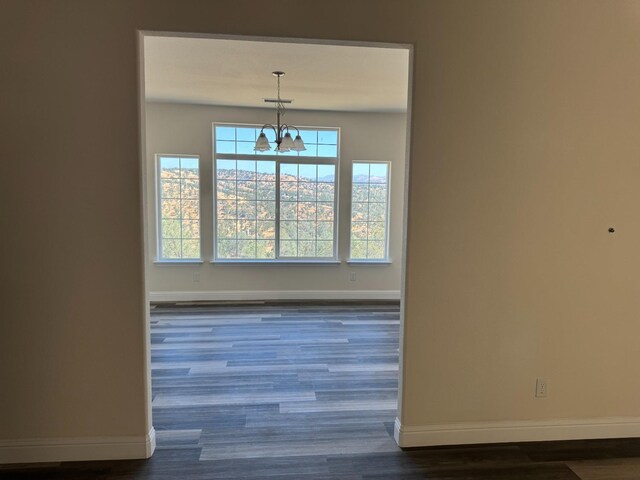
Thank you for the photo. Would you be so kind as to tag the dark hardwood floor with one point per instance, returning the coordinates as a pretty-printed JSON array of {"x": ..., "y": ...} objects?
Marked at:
[{"x": 302, "y": 392}]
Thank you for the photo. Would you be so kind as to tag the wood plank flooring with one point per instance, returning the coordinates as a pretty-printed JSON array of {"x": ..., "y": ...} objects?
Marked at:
[
  {"x": 306, "y": 391},
  {"x": 276, "y": 381}
]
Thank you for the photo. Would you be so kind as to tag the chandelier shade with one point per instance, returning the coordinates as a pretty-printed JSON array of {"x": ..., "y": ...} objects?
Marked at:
[
  {"x": 298, "y": 144},
  {"x": 287, "y": 142},
  {"x": 284, "y": 141},
  {"x": 262, "y": 144}
]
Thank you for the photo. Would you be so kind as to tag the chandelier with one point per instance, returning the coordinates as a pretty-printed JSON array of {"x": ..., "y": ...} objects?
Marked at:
[{"x": 284, "y": 141}]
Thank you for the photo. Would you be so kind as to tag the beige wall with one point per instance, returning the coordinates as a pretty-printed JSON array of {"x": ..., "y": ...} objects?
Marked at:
[
  {"x": 186, "y": 129},
  {"x": 524, "y": 151}
]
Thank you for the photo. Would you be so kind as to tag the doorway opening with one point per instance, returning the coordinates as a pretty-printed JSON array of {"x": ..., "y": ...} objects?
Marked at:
[{"x": 275, "y": 277}]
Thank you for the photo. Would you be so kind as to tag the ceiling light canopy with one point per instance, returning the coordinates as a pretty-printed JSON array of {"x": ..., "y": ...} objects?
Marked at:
[{"x": 284, "y": 141}]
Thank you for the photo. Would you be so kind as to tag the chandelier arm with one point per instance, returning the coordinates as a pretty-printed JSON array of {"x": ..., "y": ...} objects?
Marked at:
[
  {"x": 287, "y": 127},
  {"x": 270, "y": 126}
]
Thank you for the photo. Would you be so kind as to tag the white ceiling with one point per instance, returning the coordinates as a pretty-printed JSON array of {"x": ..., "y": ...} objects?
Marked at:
[{"x": 238, "y": 73}]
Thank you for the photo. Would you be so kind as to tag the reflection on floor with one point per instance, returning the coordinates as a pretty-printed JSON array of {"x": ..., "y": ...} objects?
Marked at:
[{"x": 302, "y": 392}]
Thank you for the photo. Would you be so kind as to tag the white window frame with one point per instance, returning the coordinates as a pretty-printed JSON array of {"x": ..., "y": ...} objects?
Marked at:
[
  {"x": 278, "y": 160},
  {"x": 386, "y": 258},
  {"x": 159, "y": 258}
]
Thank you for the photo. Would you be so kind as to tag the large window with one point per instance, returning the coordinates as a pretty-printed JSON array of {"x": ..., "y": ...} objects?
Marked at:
[
  {"x": 279, "y": 206},
  {"x": 370, "y": 211},
  {"x": 178, "y": 191}
]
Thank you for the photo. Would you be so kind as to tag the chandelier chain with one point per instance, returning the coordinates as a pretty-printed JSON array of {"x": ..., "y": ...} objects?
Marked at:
[{"x": 280, "y": 104}]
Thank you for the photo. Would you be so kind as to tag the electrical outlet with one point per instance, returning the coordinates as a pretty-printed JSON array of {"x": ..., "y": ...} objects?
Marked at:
[
  {"x": 196, "y": 277},
  {"x": 352, "y": 276},
  {"x": 542, "y": 388}
]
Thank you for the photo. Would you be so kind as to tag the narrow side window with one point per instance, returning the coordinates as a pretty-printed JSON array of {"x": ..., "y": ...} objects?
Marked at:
[
  {"x": 370, "y": 211},
  {"x": 178, "y": 213}
]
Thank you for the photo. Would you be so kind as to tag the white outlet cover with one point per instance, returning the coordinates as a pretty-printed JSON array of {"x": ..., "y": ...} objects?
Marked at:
[{"x": 542, "y": 388}]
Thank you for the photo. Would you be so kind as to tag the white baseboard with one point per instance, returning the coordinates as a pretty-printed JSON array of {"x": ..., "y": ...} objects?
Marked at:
[
  {"x": 77, "y": 449},
  {"x": 275, "y": 295},
  {"x": 524, "y": 431}
]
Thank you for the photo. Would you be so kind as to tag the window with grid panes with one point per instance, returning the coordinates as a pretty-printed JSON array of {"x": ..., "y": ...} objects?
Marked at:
[
  {"x": 370, "y": 211},
  {"x": 274, "y": 206},
  {"x": 178, "y": 191}
]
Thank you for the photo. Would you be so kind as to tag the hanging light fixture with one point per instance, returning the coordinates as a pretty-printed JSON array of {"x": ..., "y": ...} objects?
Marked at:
[{"x": 284, "y": 141}]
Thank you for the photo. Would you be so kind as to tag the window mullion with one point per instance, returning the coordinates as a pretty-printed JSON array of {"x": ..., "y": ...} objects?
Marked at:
[
  {"x": 181, "y": 208},
  {"x": 315, "y": 224},
  {"x": 236, "y": 219},
  {"x": 368, "y": 210},
  {"x": 255, "y": 220},
  {"x": 284, "y": 158},
  {"x": 277, "y": 219}
]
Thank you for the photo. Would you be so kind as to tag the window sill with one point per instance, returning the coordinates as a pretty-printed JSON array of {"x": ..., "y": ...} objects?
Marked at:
[
  {"x": 369, "y": 262},
  {"x": 275, "y": 262},
  {"x": 178, "y": 262}
]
